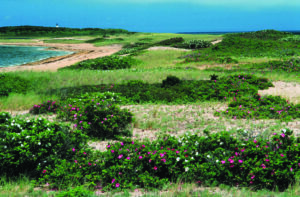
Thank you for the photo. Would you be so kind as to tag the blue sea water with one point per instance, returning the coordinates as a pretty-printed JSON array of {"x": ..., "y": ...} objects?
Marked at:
[{"x": 18, "y": 55}]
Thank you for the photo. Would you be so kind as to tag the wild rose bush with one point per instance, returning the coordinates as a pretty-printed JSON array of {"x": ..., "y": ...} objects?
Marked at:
[
  {"x": 75, "y": 104},
  {"x": 26, "y": 146},
  {"x": 103, "y": 120},
  {"x": 214, "y": 159},
  {"x": 49, "y": 106},
  {"x": 267, "y": 107}
]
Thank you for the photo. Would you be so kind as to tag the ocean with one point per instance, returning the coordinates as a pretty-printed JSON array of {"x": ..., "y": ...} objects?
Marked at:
[{"x": 18, "y": 55}]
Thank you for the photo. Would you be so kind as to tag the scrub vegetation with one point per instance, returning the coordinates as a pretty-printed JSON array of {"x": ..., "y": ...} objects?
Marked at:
[{"x": 168, "y": 122}]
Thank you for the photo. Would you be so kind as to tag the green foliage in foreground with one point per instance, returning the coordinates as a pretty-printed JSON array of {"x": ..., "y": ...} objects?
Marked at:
[
  {"x": 104, "y": 63},
  {"x": 10, "y": 83},
  {"x": 214, "y": 159},
  {"x": 257, "y": 107},
  {"x": 27, "y": 146},
  {"x": 49, "y": 106},
  {"x": 186, "y": 91}
]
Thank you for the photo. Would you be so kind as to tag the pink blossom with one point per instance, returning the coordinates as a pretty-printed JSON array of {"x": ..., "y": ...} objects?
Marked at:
[
  {"x": 140, "y": 157},
  {"x": 73, "y": 149},
  {"x": 223, "y": 161},
  {"x": 89, "y": 164},
  {"x": 282, "y": 155},
  {"x": 231, "y": 166},
  {"x": 132, "y": 142},
  {"x": 44, "y": 171},
  {"x": 120, "y": 156},
  {"x": 252, "y": 177},
  {"x": 84, "y": 153},
  {"x": 255, "y": 141},
  {"x": 291, "y": 169},
  {"x": 155, "y": 168},
  {"x": 163, "y": 160},
  {"x": 242, "y": 150},
  {"x": 112, "y": 151},
  {"x": 117, "y": 185},
  {"x": 122, "y": 144},
  {"x": 251, "y": 182},
  {"x": 230, "y": 161},
  {"x": 282, "y": 135},
  {"x": 177, "y": 152},
  {"x": 113, "y": 180},
  {"x": 161, "y": 154},
  {"x": 267, "y": 160},
  {"x": 127, "y": 158},
  {"x": 108, "y": 146},
  {"x": 240, "y": 161},
  {"x": 75, "y": 161},
  {"x": 150, "y": 160},
  {"x": 274, "y": 133}
]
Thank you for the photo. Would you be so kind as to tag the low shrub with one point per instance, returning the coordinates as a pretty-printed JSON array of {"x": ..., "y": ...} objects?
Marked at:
[
  {"x": 260, "y": 163},
  {"x": 170, "y": 81},
  {"x": 13, "y": 84},
  {"x": 194, "y": 44},
  {"x": 170, "y": 41},
  {"x": 184, "y": 92},
  {"x": 103, "y": 120},
  {"x": 75, "y": 103},
  {"x": 104, "y": 63},
  {"x": 27, "y": 146},
  {"x": 45, "y": 107},
  {"x": 203, "y": 57},
  {"x": 292, "y": 65},
  {"x": 257, "y": 107}
]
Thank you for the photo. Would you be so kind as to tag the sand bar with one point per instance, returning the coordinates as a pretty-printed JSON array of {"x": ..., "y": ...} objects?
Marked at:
[{"x": 81, "y": 52}]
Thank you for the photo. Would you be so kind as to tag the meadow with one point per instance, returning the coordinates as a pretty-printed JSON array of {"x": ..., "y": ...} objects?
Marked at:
[{"x": 176, "y": 116}]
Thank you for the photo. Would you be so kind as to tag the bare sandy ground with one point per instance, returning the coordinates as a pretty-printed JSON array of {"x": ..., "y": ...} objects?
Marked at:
[{"x": 81, "y": 52}]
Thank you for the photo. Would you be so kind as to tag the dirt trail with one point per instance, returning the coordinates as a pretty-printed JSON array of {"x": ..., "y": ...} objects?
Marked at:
[{"x": 81, "y": 52}]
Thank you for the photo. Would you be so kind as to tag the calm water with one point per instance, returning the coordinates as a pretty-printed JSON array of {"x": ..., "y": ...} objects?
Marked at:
[{"x": 17, "y": 55}]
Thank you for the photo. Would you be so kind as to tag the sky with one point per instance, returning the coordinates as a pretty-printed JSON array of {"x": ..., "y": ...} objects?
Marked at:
[{"x": 162, "y": 16}]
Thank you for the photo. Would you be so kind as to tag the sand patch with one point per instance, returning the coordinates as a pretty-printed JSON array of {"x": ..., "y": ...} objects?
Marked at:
[{"x": 166, "y": 48}]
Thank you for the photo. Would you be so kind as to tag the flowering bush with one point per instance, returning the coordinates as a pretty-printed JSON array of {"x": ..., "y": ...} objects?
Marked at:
[
  {"x": 26, "y": 146},
  {"x": 45, "y": 107},
  {"x": 102, "y": 120},
  {"x": 268, "y": 107},
  {"x": 216, "y": 158}
]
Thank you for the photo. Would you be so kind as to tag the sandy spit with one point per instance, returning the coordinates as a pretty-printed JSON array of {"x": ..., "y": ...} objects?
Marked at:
[{"x": 81, "y": 52}]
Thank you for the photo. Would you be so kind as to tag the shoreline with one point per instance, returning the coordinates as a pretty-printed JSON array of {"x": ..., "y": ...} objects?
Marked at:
[{"x": 80, "y": 52}]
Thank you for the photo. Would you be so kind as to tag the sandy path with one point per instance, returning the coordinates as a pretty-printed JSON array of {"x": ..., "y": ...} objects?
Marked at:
[{"x": 81, "y": 52}]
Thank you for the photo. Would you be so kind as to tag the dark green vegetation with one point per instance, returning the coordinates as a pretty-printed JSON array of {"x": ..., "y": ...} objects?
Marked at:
[
  {"x": 104, "y": 63},
  {"x": 26, "y": 31},
  {"x": 10, "y": 83},
  {"x": 176, "y": 91},
  {"x": 257, "y": 107}
]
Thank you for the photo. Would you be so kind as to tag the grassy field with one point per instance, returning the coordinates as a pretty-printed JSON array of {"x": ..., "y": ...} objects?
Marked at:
[{"x": 153, "y": 120}]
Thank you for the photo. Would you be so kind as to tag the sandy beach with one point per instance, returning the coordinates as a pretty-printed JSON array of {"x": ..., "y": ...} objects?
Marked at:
[{"x": 81, "y": 52}]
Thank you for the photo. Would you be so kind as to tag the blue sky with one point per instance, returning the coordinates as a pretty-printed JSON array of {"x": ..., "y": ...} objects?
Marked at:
[{"x": 155, "y": 15}]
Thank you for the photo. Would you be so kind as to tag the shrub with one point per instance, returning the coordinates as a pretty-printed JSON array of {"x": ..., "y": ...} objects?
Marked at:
[
  {"x": 103, "y": 120},
  {"x": 104, "y": 63},
  {"x": 194, "y": 44},
  {"x": 76, "y": 103},
  {"x": 212, "y": 159},
  {"x": 170, "y": 41},
  {"x": 203, "y": 56},
  {"x": 257, "y": 107},
  {"x": 29, "y": 145},
  {"x": 170, "y": 81},
  {"x": 45, "y": 107},
  {"x": 291, "y": 65},
  {"x": 10, "y": 83}
]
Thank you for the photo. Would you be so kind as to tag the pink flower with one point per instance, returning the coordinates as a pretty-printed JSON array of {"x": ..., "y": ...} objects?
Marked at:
[
  {"x": 274, "y": 133},
  {"x": 122, "y": 144},
  {"x": 240, "y": 161},
  {"x": 89, "y": 164},
  {"x": 132, "y": 142},
  {"x": 163, "y": 160},
  {"x": 252, "y": 177},
  {"x": 230, "y": 161},
  {"x": 140, "y": 157},
  {"x": 267, "y": 160},
  {"x": 120, "y": 156},
  {"x": 112, "y": 151},
  {"x": 161, "y": 154},
  {"x": 242, "y": 150},
  {"x": 75, "y": 161},
  {"x": 251, "y": 182},
  {"x": 44, "y": 171},
  {"x": 73, "y": 149},
  {"x": 263, "y": 166},
  {"x": 231, "y": 166},
  {"x": 223, "y": 162},
  {"x": 255, "y": 141},
  {"x": 84, "y": 153},
  {"x": 177, "y": 152},
  {"x": 282, "y": 155},
  {"x": 113, "y": 180},
  {"x": 127, "y": 158},
  {"x": 282, "y": 135},
  {"x": 117, "y": 185},
  {"x": 150, "y": 160},
  {"x": 108, "y": 146},
  {"x": 155, "y": 168},
  {"x": 291, "y": 169},
  {"x": 143, "y": 146}
]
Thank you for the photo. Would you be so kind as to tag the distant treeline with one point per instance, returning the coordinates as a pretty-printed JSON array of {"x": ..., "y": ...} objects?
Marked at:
[{"x": 56, "y": 31}]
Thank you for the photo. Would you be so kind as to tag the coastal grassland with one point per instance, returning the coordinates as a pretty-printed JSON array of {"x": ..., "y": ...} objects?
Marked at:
[{"x": 153, "y": 120}]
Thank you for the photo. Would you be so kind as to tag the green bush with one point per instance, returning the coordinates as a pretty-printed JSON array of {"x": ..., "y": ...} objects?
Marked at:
[
  {"x": 26, "y": 146},
  {"x": 103, "y": 120},
  {"x": 79, "y": 191},
  {"x": 170, "y": 81},
  {"x": 194, "y": 44},
  {"x": 13, "y": 84},
  {"x": 45, "y": 107},
  {"x": 104, "y": 63},
  {"x": 257, "y": 107},
  {"x": 291, "y": 65},
  {"x": 220, "y": 158},
  {"x": 170, "y": 41},
  {"x": 184, "y": 92}
]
